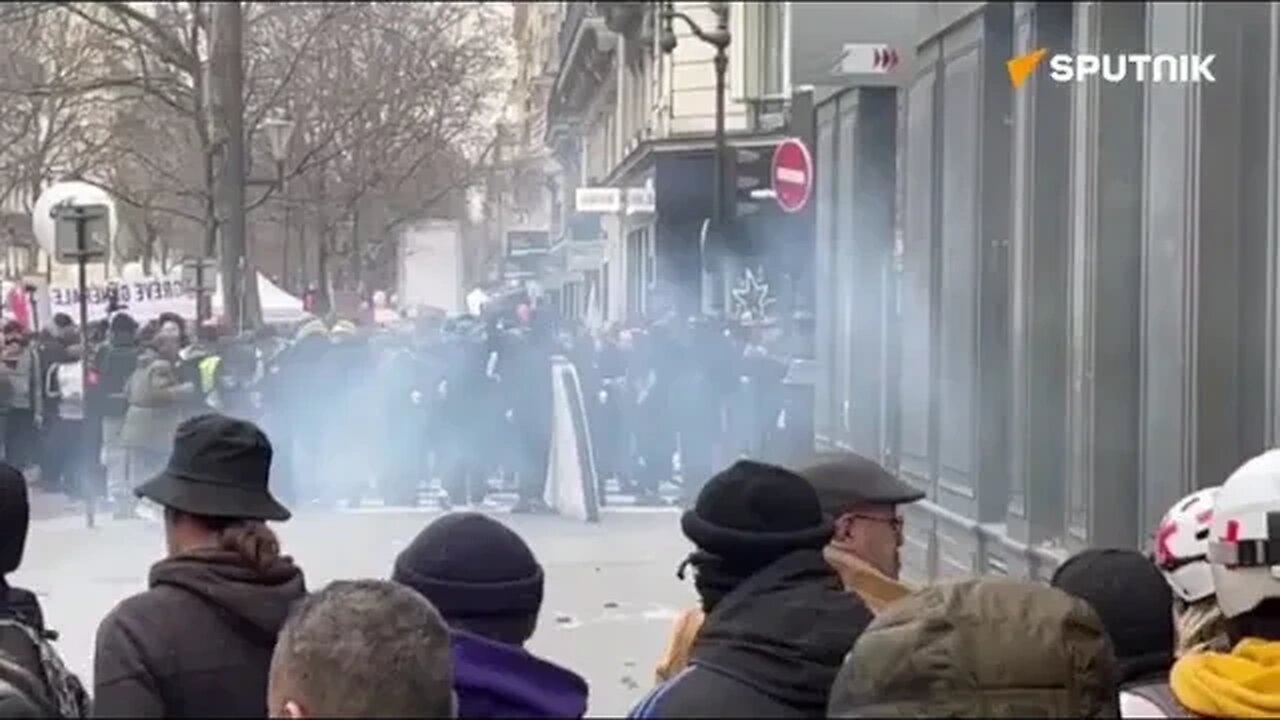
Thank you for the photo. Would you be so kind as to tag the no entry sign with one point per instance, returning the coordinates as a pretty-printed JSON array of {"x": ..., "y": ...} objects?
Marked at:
[{"x": 792, "y": 175}]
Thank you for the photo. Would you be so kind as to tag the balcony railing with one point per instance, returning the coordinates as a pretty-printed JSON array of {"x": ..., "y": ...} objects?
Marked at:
[{"x": 576, "y": 14}]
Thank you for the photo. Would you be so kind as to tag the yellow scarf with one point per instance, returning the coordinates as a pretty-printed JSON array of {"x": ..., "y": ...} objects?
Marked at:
[{"x": 1244, "y": 683}]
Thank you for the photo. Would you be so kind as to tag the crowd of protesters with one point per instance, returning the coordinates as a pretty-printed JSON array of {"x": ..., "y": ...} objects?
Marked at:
[
  {"x": 800, "y": 611},
  {"x": 362, "y": 412}
]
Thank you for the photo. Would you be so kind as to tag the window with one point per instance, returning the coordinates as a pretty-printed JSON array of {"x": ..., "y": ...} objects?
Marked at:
[
  {"x": 757, "y": 63},
  {"x": 772, "y": 19}
]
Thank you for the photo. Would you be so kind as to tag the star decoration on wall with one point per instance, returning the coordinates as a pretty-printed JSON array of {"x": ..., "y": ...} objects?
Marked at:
[{"x": 751, "y": 296}]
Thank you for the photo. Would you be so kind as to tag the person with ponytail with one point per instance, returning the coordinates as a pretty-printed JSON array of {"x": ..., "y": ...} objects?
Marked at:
[{"x": 198, "y": 641}]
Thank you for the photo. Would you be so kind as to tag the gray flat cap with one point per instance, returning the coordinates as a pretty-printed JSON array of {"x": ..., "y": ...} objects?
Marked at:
[{"x": 844, "y": 480}]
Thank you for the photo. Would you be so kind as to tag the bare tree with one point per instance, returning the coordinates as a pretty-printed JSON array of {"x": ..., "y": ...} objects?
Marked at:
[
  {"x": 46, "y": 135},
  {"x": 385, "y": 98},
  {"x": 399, "y": 89}
]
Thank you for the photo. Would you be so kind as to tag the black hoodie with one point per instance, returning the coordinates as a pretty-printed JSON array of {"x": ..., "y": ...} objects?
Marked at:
[
  {"x": 771, "y": 648},
  {"x": 198, "y": 643},
  {"x": 15, "y": 518}
]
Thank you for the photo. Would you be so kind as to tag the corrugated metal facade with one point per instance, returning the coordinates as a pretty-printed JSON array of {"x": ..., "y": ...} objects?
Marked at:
[{"x": 1052, "y": 308}]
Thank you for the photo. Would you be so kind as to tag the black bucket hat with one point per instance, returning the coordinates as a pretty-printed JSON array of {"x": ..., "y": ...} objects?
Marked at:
[{"x": 219, "y": 467}]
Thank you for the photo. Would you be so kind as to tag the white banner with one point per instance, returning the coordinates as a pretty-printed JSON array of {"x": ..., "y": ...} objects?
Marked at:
[{"x": 144, "y": 298}]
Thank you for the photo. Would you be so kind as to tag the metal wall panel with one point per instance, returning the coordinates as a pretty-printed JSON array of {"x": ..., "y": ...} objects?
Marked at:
[
  {"x": 1106, "y": 152},
  {"x": 1142, "y": 324},
  {"x": 1038, "y": 265},
  {"x": 1257, "y": 198},
  {"x": 871, "y": 211},
  {"x": 959, "y": 282},
  {"x": 1171, "y": 160},
  {"x": 915, "y": 298},
  {"x": 992, "y": 377},
  {"x": 827, "y": 404},
  {"x": 1205, "y": 254},
  {"x": 1271, "y": 333},
  {"x": 845, "y": 266},
  {"x": 934, "y": 19}
]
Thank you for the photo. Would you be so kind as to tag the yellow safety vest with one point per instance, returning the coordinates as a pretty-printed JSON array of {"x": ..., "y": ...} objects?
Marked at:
[{"x": 208, "y": 370}]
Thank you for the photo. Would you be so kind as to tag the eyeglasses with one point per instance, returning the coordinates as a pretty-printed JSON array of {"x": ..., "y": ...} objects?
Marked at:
[{"x": 894, "y": 522}]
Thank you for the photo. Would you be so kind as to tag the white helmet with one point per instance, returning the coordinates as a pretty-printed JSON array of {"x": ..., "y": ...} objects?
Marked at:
[
  {"x": 1182, "y": 543},
  {"x": 1244, "y": 545}
]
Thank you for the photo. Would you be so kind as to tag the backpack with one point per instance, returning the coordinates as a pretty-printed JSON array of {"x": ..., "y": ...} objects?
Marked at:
[{"x": 55, "y": 687}]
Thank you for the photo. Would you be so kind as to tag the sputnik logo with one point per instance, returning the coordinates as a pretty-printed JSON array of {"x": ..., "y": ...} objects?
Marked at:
[
  {"x": 1113, "y": 68},
  {"x": 1020, "y": 67}
]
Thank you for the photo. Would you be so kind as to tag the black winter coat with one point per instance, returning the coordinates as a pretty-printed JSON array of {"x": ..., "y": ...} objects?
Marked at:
[
  {"x": 771, "y": 648},
  {"x": 198, "y": 643}
]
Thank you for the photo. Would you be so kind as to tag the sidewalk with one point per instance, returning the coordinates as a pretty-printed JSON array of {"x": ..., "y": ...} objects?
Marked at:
[{"x": 47, "y": 505}]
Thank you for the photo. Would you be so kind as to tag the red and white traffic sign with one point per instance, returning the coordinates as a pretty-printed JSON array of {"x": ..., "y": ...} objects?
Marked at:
[{"x": 792, "y": 175}]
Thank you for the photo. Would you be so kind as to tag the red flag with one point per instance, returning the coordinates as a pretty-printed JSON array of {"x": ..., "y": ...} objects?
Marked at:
[{"x": 19, "y": 306}]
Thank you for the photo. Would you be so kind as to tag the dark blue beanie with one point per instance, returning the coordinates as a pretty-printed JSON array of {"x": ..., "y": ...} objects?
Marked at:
[{"x": 472, "y": 566}]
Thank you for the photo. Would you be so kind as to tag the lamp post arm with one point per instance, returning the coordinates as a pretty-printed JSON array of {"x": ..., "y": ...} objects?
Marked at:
[{"x": 716, "y": 38}]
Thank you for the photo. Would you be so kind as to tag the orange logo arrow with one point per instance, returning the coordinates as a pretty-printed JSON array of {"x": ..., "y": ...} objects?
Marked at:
[{"x": 1020, "y": 67}]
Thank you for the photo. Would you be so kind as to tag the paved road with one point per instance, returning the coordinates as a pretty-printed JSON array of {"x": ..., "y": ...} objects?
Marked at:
[{"x": 611, "y": 588}]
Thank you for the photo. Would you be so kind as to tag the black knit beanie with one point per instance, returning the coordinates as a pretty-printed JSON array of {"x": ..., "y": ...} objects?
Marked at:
[
  {"x": 757, "y": 512},
  {"x": 471, "y": 566},
  {"x": 15, "y": 517},
  {"x": 1134, "y": 602}
]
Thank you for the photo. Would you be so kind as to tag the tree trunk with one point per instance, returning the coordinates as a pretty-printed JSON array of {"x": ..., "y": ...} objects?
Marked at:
[
  {"x": 325, "y": 287},
  {"x": 239, "y": 279},
  {"x": 304, "y": 261},
  {"x": 148, "y": 247},
  {"x": 357, "y": 251}
]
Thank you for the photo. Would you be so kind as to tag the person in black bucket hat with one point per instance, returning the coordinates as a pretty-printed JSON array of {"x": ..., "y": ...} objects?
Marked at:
[
  {"x": 778, "y": 620},
  {"x": 487, "y": 584},
  {"x": 209, "y": 619},
  {"x": 220, "y": 467}
]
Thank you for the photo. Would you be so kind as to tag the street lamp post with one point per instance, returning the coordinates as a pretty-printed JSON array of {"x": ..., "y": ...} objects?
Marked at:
[
  {"x": 279, "y": 131},
  {"x": 719, "y": 38}
]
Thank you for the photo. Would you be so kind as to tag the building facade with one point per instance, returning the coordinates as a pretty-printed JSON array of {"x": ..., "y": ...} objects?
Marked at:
[
  {"x": 1052, "y": 307},
  {"x": 520, "y": 189},
  {"x": 625, "y": 116}
]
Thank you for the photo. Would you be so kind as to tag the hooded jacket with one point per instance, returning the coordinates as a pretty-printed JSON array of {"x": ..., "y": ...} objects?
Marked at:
[
  {"x": 198, "y": 643},
  {"x": 1244, "y": 683},
  {"x": 983, "y": 648},
  {"x": 876, "y": 589},
  {"x": 158, "y": 402},
  {"x": 770, "y": 648},
  {"x": 495, "y": 680}
]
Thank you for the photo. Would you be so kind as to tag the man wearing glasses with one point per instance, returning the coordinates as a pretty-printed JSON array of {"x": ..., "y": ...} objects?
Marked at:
[{"x": 862, "y": 500}]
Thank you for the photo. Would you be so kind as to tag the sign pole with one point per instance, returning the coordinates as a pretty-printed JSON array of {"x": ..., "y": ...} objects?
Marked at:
[
  {"x": 72, "y": 243},
  {"x": 82, "y": 263},
  {"x": 200, "y": 293}
]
